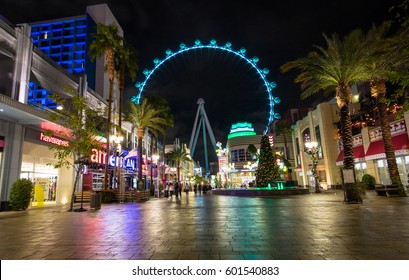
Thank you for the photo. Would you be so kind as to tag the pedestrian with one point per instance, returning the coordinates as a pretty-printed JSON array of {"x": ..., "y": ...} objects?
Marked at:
[
  {"x": 195, "y": 188},
  {"x": 171, "y": 189},
  {"x": 177, "y": 189},
  {"x": 167, "y": 190},
  {"x": 187, "y": 189},
  {"x": 180, "y": 189},
  {"x": 200, "y": 189}
]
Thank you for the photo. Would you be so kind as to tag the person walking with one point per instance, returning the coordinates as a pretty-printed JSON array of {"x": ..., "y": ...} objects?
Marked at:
[
  {"x": 200, "y": 189},
  {"x": 187, "y": 189},
  {"x": 171, "y": 189},
  {"x": 195, "y": 189},
  {"x": 180, "y": 189},
  {"x": 177, "y": 189}
]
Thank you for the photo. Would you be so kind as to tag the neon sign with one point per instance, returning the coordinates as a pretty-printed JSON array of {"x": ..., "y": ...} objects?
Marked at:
[
  {"x": 53, "y": 140},
  {"x": 129, "y": 163},
  {"x": 100, "y": 157}
]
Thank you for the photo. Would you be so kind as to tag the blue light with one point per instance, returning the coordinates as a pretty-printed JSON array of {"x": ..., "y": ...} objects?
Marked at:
[
  {"x": 64, "y": 42},
  {"x": 227, "y": 47}
]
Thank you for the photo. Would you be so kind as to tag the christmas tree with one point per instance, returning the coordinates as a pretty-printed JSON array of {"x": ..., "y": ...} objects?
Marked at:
[{"x": 267, "y": 170}]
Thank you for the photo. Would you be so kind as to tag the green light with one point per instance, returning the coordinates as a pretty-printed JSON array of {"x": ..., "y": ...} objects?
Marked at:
[
  {"x": 237, "y": 134},
  {"x": 241, "y": 125}
]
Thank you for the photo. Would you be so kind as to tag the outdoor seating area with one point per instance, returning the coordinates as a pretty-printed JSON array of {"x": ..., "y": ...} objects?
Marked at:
[
  {"x": 129, "y": 196},
  {"x": 386, "y": 190}
]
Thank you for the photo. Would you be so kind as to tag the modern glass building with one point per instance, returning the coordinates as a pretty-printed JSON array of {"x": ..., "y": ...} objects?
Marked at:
[{"x": 65, "y": 41}]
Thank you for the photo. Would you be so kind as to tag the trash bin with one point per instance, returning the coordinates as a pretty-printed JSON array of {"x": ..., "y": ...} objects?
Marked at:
[{"x": 95, "y": 200}]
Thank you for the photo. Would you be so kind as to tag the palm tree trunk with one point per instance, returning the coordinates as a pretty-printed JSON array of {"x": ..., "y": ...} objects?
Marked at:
[
  {"x": 178, "y": 170},
  {"x": 289, "y": 176},
  {"x": 140, "y": 161},
  {"x": 119, "y": 132},
  {"x": 378, "y": 89},
  {"x": 108, "y": 149},
  {"x": 346, "y": 136}
]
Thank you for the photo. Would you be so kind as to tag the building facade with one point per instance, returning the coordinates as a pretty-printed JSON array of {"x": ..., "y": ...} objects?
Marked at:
[
  {"x": 24, "y": 108},
  {"x": 320, "y": 125}
]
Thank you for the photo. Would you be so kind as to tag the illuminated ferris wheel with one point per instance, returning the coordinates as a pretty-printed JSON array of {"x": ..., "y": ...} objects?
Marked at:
[{"x": 241, "y": 53}]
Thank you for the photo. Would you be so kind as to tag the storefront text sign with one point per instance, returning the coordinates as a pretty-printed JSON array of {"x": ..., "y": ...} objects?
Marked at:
[{"x": 53, "y": 140}]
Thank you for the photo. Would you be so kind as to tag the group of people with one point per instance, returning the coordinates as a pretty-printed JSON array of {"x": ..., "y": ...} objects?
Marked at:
[{"x": 176, "y": 188}]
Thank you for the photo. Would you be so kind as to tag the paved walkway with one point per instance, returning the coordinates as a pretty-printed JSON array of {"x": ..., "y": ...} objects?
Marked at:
[{"x": 307, "y": 227}]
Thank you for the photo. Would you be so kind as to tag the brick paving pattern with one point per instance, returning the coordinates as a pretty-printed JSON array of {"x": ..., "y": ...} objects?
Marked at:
[{"x": 300, "y": 227}]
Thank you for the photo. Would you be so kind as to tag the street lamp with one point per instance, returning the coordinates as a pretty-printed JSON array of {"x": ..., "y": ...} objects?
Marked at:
[{"x": 312, "y": 149}]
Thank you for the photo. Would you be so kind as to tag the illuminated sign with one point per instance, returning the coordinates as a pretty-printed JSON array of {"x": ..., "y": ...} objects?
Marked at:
[
  {"x": 129, "y": 163},
  {"x": 100, "y": 157},
  {"x": 241, "y": 129},
  {"x": 53, "y": 140}
]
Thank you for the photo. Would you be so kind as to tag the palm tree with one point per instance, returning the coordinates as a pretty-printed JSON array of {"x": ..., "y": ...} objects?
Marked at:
[
  {"x": 336, "y": 67},
  {"x": 143, "y": 116},
  {"x": 252, "y": 151},
  {"x": 106, "y": 42},
  {"x": 162, "y": 105},
  {"x": 179, "y": 156},
  {"x": 385, "y": 61},
  {"x": 284, "y": 128},
  {"x": 125, "y": 59}
]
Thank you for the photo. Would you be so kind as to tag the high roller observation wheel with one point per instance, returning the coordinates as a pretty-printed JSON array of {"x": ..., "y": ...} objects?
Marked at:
[{"x": 213, "y": 45}]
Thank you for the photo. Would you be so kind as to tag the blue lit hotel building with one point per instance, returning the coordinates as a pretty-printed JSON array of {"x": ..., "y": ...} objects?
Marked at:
[{"x": 66, "y": 41}]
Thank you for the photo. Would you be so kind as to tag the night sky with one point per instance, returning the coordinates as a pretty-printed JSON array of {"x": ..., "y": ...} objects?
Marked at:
[{"x": 274, "y": 31}]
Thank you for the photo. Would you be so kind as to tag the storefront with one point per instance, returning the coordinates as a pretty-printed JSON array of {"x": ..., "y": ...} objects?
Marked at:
[
  {"x": 37, "y": 165},
  {"x": 376, "y": 152},
  {"x": 94, "y": 174}
]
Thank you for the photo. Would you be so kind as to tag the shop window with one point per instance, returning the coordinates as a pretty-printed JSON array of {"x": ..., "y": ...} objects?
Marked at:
[{"x": 322, "y": 175}]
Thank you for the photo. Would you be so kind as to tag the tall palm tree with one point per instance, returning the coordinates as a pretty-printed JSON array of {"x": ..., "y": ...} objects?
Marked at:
[
  {"x": 125, "y": 61},
  {"x": 106, "y": 42},
  {"x": 336, "y": 67},
  {"x": 385, "y": 60},
  {"x": 284, "y": 128},
  {"x": 179, "y": 156},
  {"x": 162, "y": 105},
  {"x": 142, "y": 116}
]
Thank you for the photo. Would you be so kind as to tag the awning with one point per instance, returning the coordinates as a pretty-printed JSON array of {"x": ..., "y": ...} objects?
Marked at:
[
  {"x": 400, "y": 145},
  {"x": 359, "y": 155}
]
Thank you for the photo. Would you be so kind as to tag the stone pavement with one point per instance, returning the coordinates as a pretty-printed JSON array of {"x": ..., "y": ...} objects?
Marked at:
[{"x": 306, "y": 227}]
